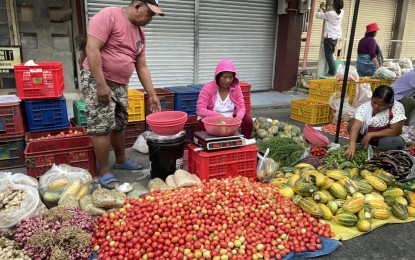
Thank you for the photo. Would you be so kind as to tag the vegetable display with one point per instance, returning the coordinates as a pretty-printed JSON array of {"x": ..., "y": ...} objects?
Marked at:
[
  {"x": 62, "y": 134},
  {"x": 320, "y": 152},
  {"x": 9, "y": 250},
  {"x": 399, "y": 163},
  {"x": 222, "y": 219},
  {"x": 338, "y": 158},
  {"x": 267, "y": 128},
  {"x": 283, "y": 150},
  {"x": 11, "y": 199},
  {"x": 60, "y": 233},
  {"x": 350, "y": 196},
  {"x": 332, "y": 128}
]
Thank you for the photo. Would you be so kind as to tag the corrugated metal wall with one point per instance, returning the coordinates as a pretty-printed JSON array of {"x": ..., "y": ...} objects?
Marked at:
[
  {"x": 243, "y": 31},
  {"x": 408, "y": 49}
]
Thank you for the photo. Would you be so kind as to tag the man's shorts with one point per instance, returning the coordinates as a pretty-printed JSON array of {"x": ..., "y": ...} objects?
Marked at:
[{"x": 102, "y": 119}]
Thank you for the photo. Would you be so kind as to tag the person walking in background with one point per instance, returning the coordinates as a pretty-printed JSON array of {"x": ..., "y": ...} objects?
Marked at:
[
  {"x": 223, "y": 96},
  {"x": 404, "y": 88},
  {"x": 115, "y": 46},
  {"x": 332, "y": 31},
  {"x": 369, "y": 54}
]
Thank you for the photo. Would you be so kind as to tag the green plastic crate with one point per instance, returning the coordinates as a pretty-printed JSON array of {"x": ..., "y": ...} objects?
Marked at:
[{"x": 79, "y": 112}]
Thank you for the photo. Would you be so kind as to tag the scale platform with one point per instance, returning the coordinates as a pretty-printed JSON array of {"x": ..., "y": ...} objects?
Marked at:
[{"x": 210, "y": 142}]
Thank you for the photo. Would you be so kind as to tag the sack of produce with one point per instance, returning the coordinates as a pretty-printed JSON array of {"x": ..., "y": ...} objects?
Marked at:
[
  {"x": 170, "y": 182},
  {"x": 406, "y": 63},
  {"x": 384, "y": 73},
  {"x": 19, "y": 198},
  {"x": 68, "y": 200},
  {"x": 196, "y": 179},
  {"x": 157, "y": 183},
  {"x": 183, "y": 178},
  {"x": 267, "y": 168},
  {"x": 353, "y": 75},
  {"x": 138, "y": 190},
  {"x": 63, "y": 180},
  {"x": 394, "y": 67},
  {"x": 104, "y": 198},
  {"x": 88, "y": 206}
]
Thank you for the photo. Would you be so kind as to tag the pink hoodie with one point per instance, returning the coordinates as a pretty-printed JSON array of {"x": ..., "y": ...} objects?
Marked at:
[{"x": 207, "y": 96}]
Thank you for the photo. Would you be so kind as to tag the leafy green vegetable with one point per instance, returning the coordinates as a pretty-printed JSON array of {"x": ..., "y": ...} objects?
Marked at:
[
  {"x": 337, "y": 156},
  {"x": 284, "y": 151}
]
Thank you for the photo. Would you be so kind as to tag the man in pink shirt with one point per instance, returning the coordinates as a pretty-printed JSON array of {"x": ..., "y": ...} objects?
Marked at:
[{"x": 116, "y": 45}]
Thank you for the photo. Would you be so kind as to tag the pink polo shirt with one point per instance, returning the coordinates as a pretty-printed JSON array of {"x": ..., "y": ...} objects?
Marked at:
[{"x": 123, "y": 43}]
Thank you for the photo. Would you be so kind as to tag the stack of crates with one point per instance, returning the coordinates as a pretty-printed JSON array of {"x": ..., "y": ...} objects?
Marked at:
[
  {"x": 12, "y": 130},
  {"x": 79, "y": 118},
  {"x": 136, "y": 117},
  {"x": 246, "y": 92},
  {"x": 41, "y": 86},
  {"x": 185, "y": 99}
]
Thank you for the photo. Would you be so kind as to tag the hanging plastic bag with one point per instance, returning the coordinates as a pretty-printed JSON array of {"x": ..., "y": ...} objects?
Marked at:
[
  {"x": 140, "y": 144},
  {"x": 267, "y": 168},
  {"x": 19, "y": 198},
  {"x": 353, "y": 75},
  {"x": 61, "y": 180},
  {"x": 363, "y": 94},
  {"x": 384, "y": 73},
  {"x": 348, "y": 111}
]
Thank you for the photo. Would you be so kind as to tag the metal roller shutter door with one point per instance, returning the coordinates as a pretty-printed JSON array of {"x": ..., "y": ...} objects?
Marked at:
[
  {"x": 408, "y": 48},
  {"x": 243, "y": 31},
  {"x": 170, "y": 42}
]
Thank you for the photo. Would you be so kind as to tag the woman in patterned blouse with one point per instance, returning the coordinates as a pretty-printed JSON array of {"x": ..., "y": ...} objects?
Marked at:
[{"x": 378, "y": 122}]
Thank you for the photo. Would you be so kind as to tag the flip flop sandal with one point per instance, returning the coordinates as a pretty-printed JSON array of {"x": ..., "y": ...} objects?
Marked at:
[
  {"x": 108, "y": 179},
  {"x": 129, "y": 165}
]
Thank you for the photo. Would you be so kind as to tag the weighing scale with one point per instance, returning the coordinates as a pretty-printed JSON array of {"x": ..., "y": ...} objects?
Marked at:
[{"x": 210, "y": 142}]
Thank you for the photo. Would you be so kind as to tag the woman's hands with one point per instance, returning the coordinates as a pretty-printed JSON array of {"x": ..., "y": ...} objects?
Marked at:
[
  {"x": 366, "y": 139},
  {"x": 350, "y": 152},
  {"x": 323, "y": 6}
]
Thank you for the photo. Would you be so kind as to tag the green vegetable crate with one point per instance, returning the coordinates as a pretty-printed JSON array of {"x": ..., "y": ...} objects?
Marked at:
[
  {"x": 79, "y": 112},
  {"x": 311, "y": 112}
]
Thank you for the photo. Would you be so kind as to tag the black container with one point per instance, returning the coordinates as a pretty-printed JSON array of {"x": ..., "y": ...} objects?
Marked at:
[{"x": 165, "y": 154}]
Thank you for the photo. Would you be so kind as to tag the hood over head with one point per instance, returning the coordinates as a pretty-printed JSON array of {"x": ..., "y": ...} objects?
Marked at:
[{"x": 227, "y": 65}]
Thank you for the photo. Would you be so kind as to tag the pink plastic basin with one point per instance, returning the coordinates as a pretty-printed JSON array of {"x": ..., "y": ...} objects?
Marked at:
[{"x": 221, "y": 126}]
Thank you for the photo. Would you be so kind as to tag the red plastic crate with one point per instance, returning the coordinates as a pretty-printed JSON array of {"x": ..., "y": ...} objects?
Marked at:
[
  {"x": 245, "y": 86},
  {"x": 12, "y": 152},
  {"x": 45, "y": 80},
  {"x": 226, "y": 163},
  {"x": 29, "y": 136},
  {"x": 132, "y": 131},
  {"x": 75, "y": 151},
  {"x": 166, "y": 99},
  {"x": 11, "y": 120}
]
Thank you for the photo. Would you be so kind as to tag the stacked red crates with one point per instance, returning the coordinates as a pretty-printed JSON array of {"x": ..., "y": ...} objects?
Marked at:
[
  {"x": 41, "y": 86},
  {"x": 246, "y": 91},
  {"x": 12, "y": 130}
]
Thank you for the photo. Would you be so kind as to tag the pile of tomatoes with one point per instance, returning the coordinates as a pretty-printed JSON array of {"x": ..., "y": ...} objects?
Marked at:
[
  {"x": 223, "y": 219},
  {"x": 412, "y": 150},
  {"x": 62, "y": 134},
  {"x": 320, "y": 152},
  {"x": 331, "y": 129}
]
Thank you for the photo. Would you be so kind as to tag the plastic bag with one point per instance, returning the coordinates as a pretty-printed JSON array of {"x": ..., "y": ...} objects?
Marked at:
[
  {"x": 157, "y": 183},
  {"x": 88, "y": 206},
  {"x": 183, "y": 178},
  {"x": 68, "y": 200},
  {"x": 394, "y": 67},
  {"x": 363, "y": 94},
  {"x": 62, "y": 177},
  {"x": 138, "y": 190},
  {"x": 353, "y": 75},
  {"x": 140, "y": 144},
  {"x": 406, "y": 64},
  {"x": 266, "y": 167},
  {"x": 347, "y": 112},
  {"x": 28, "y": 205},
  {"x": 103, "y": 198},
  {"x": 170, "y": 182}
]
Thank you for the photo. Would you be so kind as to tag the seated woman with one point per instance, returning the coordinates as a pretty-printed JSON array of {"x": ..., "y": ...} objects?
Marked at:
[
  {"x": 378, "y": 122},
  {"x": 223, "y": 96}
]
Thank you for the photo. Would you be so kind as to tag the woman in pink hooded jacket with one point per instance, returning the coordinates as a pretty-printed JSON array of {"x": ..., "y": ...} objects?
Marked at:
[{"x": 223, "y": 96}]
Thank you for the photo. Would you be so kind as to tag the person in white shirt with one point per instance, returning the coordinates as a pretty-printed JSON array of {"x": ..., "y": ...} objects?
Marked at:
[{"x": 332, "y": 30}]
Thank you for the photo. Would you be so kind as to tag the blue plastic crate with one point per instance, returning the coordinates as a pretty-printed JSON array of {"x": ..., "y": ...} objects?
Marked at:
[
  {"x": 196, "y": 86},
  {"x": 12, "y": 152},
  {"x": 185, "y": 99},
  {"x": 47, "y": 114}
]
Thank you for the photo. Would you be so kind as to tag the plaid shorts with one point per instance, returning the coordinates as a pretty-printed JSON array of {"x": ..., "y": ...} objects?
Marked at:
[{"x": 102, "y": 119}]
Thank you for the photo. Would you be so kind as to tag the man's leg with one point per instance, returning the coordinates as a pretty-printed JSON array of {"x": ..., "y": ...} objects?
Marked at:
[
  {"x": 102, "y": 152},
  {"x": 329, "y": 48},
  {"x": 391, "y": 143},
  {"x": 118, "y": 143}
]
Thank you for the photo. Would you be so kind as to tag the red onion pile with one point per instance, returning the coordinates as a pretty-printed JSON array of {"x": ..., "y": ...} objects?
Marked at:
[
  {"x": 60, "y": 232},
  {"x": 223, "y": 219}
]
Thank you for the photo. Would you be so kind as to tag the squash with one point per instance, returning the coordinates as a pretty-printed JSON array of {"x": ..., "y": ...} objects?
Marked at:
[
  {"x": 376, "y": 183},
  {"x": 346, "y": 219},
  {"x": 309, "y": 206},
  {"x": 363, "y": 225},
  {"x": 363, "y": 186},
  {"x": 286, "y": 192},
  {"x": 388, "y": 178},
  {"x": 327, "y": 214},
  {"x": 393, "y": 192},
  {"x": 332, "y": 206},
  {"x": 365, "y": 213},
  {"x": 338, "y": 190},
  {"x": 400, "y": 211},
  {"x": 353, "y": 205},
  {"x": 381, "y": 213},
  {"x": 410, "y": 197}
]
